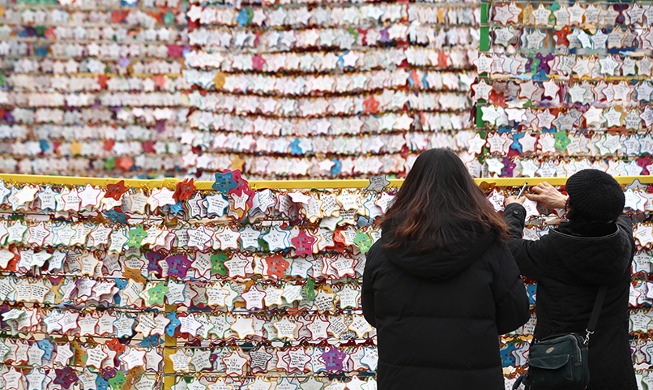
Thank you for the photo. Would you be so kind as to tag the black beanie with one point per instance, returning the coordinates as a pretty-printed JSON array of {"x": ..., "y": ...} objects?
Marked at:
[{"x": 594, "y": 196}]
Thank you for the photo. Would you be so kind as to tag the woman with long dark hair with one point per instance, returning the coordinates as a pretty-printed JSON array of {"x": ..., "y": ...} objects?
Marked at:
[{"x": 440, "y": 285}]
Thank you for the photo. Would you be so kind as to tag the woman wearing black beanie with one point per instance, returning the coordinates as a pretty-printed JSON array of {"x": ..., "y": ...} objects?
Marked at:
[{"x": 594, "y": 248}]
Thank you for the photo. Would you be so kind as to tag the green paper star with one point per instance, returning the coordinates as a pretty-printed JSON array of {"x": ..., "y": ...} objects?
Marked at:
[
  {"x": 169, "y": 18},
  {"x": 217, "y": 263},
  {"x": 136, "y": 236},
  {"x": 353, "y": 31},
  {"x": 555, "y": 6},
  {"x": 309, "y": 290},
  {"x": 117, "y": 381},
  {"x": 535, "y": 64},
  {"x": 109, "y": 164},
  {"x": 363, "y": 241},
  {"x": 157, "y": 293},
  {"x": 561, "y": 141}
]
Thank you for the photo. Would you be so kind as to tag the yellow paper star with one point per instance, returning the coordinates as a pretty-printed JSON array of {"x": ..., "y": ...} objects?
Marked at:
[
  {"x": 219, "y": 80},
  {"x": 441, "y": 15},
  {"x": 75, "y": 148},
  {"x": 237, "y": 163}
]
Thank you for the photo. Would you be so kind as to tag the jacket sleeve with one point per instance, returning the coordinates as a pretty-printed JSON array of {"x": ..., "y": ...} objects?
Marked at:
[
  {"x": 530, "y": 255},
  {"x": 367, "y": 296},
  {"x": 625, "y": 224},
  {"x": 510, "y": 298}
]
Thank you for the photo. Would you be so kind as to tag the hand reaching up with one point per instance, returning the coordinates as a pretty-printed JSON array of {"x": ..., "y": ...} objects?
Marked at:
[{"x": 546, "y": 195}]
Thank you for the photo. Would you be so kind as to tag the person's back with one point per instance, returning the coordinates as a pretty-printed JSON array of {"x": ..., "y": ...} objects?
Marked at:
[
  {"x": 570, "y": 264},
  {"x": 437, "y": 318},
  {"x": 439, "y": 287}
]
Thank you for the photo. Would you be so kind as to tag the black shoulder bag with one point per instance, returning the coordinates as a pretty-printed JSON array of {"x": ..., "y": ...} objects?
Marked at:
[{"x": 561, "y": 361}]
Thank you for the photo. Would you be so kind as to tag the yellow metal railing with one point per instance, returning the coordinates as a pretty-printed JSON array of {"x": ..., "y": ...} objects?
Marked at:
[{"x": 279, "y": 184}]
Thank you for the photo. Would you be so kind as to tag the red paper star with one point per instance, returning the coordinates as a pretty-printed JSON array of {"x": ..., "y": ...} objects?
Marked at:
[
  {"x": 497, "y": 99},
  {"x": 276, "y": 265},
  {"x": 644, "y": 162},
  {"x": 148, "y": 147},
  {"x": 159, "y": 81},
  {"x": 338, "y": 241},
  {"x": 116, "y": 191},
  {"x": 102, "y": 81},
  {"x": 124, "y": 163},
  {"x": 371, "y": 105},
  {"x": 108, "y": 144},
  {"x": 443, "y": 59},
  {"x": 118, "y": 17},
  {"x": 257, "y": 62},
  {"x": 303, "y": 243},
  {"x": 184, "y": 190},
  {"x": 561, "y": 36},
  {"x": 116, "y": 346},
  {"x": 175, "y": 51}
]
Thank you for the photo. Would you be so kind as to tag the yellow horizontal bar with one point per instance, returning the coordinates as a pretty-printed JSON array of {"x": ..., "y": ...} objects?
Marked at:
[
  {"x": 278, "y": 184},
  {"x": 299, "y": 184}
]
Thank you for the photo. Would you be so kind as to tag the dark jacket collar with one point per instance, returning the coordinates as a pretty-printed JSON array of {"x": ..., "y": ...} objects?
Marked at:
[
  {"x": 592, "y": 255},
  {"x": 442, "y": 264}
]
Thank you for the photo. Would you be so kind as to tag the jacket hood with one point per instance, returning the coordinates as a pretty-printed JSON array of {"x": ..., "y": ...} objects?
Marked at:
[
  {"x": 441, "y": 264},
  {"x": 595, "y": 260}
]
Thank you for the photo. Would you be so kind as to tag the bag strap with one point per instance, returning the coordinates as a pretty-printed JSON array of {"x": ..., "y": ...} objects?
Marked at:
[{"x": 596, "y": 311}]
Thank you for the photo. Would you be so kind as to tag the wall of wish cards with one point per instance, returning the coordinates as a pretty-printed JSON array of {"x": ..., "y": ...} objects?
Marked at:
[
  {"x": 326, "y": 90},
  {"x": 565, "y": 86},
  {"x": 152, "y": 88},
  {"x": 184, "y": 285},
  {"x": 92, "y": 87},
  {"x": 230, "y": 288}
]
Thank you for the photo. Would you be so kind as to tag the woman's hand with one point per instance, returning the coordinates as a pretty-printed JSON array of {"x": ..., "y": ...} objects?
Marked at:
[
  {"x": 513, "y": 199},
  {"x": 546, "y": 195}
]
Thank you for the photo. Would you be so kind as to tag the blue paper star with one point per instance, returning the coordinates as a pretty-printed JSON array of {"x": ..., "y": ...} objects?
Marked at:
[
  {"x": 47, "y": 347},
  {"x": 507, "y": 359},
  {"x": 552, "y": 130},
  {"x": 42, "y": 51},
  {"x": 243, "y": 17},
  {"x": 44, "y": 145},
  {"x": 515, "y": 142},
  {"x": 224, "y": 182},
  {"x": 173, "y": 325},
  {"x": 116, "y": 216},
  {"x": 531, "y": 290},
  {"x": 362, "y": 221},
  {"x": 336, "y": 168},
  {"x": 101, "y": 383},
  {"x": 295, "y": 148},
  {"x": 504, "y": 129},
  {"x": 540, "y": 76},
  {"x": 177, "y": 208},
  {"x": 121, "y": 283},
  {"x": 151, "y": 341}
]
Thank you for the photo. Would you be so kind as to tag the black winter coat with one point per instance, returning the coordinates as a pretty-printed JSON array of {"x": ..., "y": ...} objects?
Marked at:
[
  {"x": 438, "y": 315},
  {"x": 569, "y": 264}
]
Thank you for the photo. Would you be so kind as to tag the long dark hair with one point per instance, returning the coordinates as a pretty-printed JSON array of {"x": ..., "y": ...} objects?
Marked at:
[{"x": 439, "y": 206}]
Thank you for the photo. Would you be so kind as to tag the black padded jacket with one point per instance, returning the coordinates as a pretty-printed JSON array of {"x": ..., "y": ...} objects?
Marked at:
[{"x": 438, "y": 315}]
